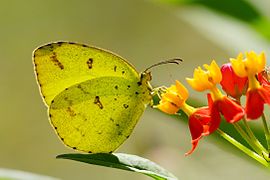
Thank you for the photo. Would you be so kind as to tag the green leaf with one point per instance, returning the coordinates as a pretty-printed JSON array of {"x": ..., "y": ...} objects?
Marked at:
[
  {"x": 123, "y": 161},
  {"x": 241, "y": 10}
]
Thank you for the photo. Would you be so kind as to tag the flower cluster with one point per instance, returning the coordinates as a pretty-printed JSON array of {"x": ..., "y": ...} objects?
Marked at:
[{"x": 243, "y": 76}]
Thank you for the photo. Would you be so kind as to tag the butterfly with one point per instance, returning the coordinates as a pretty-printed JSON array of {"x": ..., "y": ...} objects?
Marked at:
[{"x": 94, "y": 97}]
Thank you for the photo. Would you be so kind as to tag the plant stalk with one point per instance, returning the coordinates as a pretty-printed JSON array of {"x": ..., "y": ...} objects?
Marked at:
[{"x": 243, "y": 148}]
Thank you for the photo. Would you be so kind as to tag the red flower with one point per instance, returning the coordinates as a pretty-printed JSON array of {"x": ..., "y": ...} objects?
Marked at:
[
  {"x": 256, "y": 99},
  {"x": 258, "y": 92},
  {"x": 264, "y": 79},
  {"x": 231, "y": 111},
  {"x": 201, "y": 123},
  {"x": 206, "y": 120},
  {"x": 232, "y": 84}
]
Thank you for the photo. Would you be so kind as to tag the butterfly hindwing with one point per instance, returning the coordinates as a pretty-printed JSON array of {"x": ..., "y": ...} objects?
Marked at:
[{"x": 97, "y": 115}]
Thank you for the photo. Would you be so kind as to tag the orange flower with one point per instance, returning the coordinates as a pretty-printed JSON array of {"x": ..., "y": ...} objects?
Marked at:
[
  {"x": 201, "y": 121},
  {"x": 207, "y": 80},
  {"x": 257, "y": 94},
  {"x": 173, "y": 99}
]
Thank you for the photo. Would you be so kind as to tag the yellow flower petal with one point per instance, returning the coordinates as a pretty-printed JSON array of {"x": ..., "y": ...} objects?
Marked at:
[
  {"x": 173, "y": 99},
  {"x": 239, "y": 66},
  {"x": 250, "y": 66},
  {"x": 181, "y": 90},
  {"x": 168, "y": 107},
  {"x": 205, "y": 79},
  {"x": 250, "y": 63},
  {"x": 172, "y": 89},
  {"x": 215, "y": 72},
  {"x": 262, "y": 63},
  {"x": 193, "y": 83}
]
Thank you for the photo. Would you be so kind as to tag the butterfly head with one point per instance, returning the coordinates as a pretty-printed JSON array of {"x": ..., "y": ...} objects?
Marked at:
[{"x": 145, "y": 77}]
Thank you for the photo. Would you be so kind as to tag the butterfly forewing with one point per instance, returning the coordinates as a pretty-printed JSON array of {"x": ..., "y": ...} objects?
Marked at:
[{"x": 62, "y": 64}]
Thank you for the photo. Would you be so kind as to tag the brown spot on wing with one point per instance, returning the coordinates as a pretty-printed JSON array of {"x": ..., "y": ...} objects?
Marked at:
[
  {"x": 97, "y": 102},
  {"x": 55, "y": 61},
  {"x": 112, "y": 119},
  {"x": 70, "y": 102},
  {"x": 82, "y": 89},
  {"x": 71, "y": 112},
  {"x": 89, "y": 63}
]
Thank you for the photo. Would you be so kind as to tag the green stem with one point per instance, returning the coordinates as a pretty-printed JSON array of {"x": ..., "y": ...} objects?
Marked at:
[
  {"x": 252, "y": 136},
  {"x": 266, "y": 132},
  {"x": 243, "y": 148},
  {"x": 249, "y": 131},
  {"x": 251, "y": 143}
]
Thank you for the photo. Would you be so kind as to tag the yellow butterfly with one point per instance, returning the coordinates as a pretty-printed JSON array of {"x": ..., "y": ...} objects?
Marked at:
[{"x": 95, "y": 97}]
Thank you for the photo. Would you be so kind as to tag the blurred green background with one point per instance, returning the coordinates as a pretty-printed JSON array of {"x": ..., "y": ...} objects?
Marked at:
[{"x": 144, "y": 32}]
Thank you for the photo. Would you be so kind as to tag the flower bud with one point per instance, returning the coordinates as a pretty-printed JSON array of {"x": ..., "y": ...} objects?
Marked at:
[{"x": 232, "y": 84}]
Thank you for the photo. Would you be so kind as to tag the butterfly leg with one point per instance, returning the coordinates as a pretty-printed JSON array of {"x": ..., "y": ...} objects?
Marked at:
[{"x": 156, "y": 94}]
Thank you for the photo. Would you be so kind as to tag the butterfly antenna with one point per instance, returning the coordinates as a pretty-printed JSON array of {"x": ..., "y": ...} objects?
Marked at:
[{"x": 170, "y": 61}]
